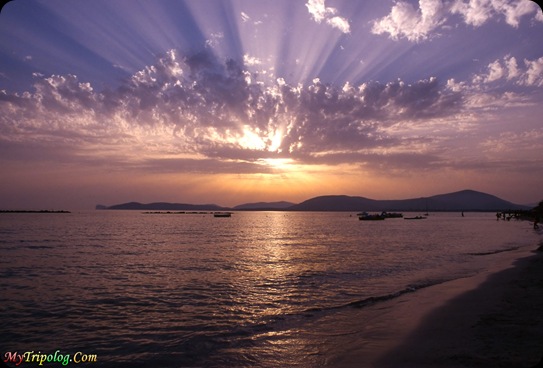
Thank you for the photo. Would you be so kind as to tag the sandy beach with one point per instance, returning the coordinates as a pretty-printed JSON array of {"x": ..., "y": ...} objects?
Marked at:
[{"x": 492, "y": 319}]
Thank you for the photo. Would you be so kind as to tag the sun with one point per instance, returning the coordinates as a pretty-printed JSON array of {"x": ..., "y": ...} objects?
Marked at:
[
  {"x": 268, "y": 142},
  {"x": 283, "y": 164},
  {"x": 251, "y": 139}
]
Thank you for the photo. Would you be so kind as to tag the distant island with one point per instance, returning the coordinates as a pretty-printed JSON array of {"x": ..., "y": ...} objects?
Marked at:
[
  {"x": 34, "y": 211},
  {"x": 465, "y": 200},
  {"x": 163, "y": 206}
]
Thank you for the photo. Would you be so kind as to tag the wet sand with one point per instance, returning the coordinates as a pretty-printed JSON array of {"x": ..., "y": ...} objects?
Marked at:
[{"x": 492, "y": 319}]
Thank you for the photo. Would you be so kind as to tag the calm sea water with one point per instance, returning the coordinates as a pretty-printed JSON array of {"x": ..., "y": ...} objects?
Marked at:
[{"x": 197, "y": 291}]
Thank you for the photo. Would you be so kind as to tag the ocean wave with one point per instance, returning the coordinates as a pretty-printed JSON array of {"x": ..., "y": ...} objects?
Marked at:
[{"x": 497, "y": 251}]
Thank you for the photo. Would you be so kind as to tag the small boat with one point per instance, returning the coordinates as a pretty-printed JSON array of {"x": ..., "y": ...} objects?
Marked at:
[
  {"x": 222, "y": 214},
  {"x": 391, "y": 214},
  {"x": 415, "y": 218},
  {"x": 364, "y": 216}
]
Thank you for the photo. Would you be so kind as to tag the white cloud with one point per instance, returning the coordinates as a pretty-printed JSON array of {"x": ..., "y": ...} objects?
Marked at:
[
  {"x": 320, "y": 12},
  {"x": 515, "y": 10},
  {"x": 456, "y": 86},
  {"x": 508, "y": 69},
  {"x": 495, "y": 72},
  {"x": 539, "y": 16},
  {"x": 414, "y": 24},
  {"x": 478, "y": 12},
  {"x": 534, "y": 73},
  {"x": 512, "y": 68},
  {"x": 245, "y": 17},
  {"x": 418, "y": 24},
  {"x": 340, "y": 23},
  {"x": 250, "y": 60},
  {"x": 475, "y": 13}
]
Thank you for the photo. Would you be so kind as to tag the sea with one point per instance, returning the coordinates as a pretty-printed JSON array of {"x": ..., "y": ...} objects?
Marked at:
[{"x": 131, "y": 289}]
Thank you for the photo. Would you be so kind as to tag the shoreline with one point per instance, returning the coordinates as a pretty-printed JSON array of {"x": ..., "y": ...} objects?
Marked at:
[{"x": 491, "y": 319}]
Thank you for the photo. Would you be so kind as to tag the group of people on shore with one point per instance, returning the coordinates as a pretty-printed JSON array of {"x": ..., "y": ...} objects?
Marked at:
[
  {"x": 534, "y": 215},
  {"x": 508, "y": 215}
]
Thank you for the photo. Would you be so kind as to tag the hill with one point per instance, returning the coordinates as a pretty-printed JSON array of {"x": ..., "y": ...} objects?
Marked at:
[
  {"x": 164, "y": 206},
  {"x": 465, "y": 200}
]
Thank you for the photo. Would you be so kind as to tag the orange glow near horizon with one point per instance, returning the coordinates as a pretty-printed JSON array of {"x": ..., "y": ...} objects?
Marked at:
[{"x": 83, "y": 187}]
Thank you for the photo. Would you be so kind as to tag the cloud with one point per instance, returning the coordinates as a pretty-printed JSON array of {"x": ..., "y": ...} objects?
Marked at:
[
  {"x": 478, "y": 12},
  {"x": 406, "y": 21},
  {"x": 507, "y": 69},
  {"x": 250, "y": 60},
  {"x": 505, "y": 83},
  {"x": 215, "y": 39},
  {"x": 340, "y": 23},
  {"x": 186, "y": 110},
  {"x": 534, "y": 73},
  {"x": 510, "y": 143},
  {"x": 414, "y": 24},
  {"x": 245, "y": 17},
  {"x": 495, "y": 72},
  {"x": 321, "y": 12}
]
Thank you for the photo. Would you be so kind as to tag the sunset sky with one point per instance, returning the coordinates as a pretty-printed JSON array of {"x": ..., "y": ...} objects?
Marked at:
[{"x": 227, "y": 102}]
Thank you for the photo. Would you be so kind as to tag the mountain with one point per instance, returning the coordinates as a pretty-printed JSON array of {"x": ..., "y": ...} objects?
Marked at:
[
  {"x": 263, "y": 206},
  {"x": 337, "y": 203},
  {"x": 164, "y": 206},
  {"x": 465, "y": 200},
  {"x": 472, "y": 200}
]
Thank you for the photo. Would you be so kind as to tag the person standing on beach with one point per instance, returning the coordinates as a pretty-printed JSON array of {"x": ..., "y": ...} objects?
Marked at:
[{"x": 537, "y": 214}]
